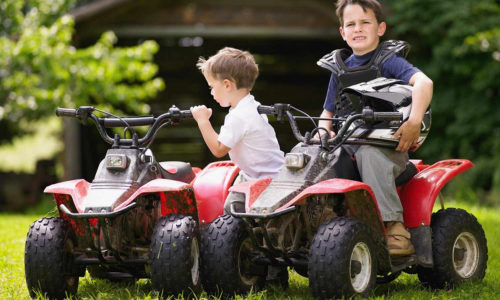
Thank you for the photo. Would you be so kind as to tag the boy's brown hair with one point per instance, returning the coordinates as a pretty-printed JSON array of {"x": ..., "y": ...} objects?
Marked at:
[
  {"x": 365, "y": 4},
  {"x": 232, "y": 64}
]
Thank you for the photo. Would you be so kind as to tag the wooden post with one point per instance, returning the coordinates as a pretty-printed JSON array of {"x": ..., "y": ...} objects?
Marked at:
[{"x": 72, "y": 159}]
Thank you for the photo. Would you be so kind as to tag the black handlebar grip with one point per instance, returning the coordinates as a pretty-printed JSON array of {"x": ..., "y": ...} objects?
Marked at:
[
  {"x": 186, "y": 114},
  {"x": 267, "y": 110},
  {"x": 65, "y": 112},
  {"x": 387, "y": 116}
]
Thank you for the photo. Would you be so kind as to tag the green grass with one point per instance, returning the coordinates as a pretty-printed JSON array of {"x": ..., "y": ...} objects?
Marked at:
[{"x": 13, "y": 229}]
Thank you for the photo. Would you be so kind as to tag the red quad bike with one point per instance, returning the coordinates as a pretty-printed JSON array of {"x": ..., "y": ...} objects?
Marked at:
[
  {"x": 320, "y": 219},
  {"x": 139, "y": 218}
]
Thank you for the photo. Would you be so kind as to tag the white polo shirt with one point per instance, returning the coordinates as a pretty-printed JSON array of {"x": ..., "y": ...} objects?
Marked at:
[{"x": 254, "y": 147}]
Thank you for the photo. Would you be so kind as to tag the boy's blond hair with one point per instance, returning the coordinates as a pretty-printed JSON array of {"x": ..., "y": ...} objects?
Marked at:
[{"x": 232, "y": 64}]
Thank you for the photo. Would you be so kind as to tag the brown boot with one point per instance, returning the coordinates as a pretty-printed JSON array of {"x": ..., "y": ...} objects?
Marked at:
[{"x": 398, "y": 239}]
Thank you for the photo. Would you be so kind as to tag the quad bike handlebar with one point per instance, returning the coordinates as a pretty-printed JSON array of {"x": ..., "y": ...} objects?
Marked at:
[
  {"x": 145, "y": 120},
  {"x": 172, "y": 117},
  {"x": 368, "y": 116}
]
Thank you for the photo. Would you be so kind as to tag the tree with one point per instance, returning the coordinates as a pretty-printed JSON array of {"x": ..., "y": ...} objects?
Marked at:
[
  {"x": 40, "y": 69},
  {"x": 457, "y": 43}
]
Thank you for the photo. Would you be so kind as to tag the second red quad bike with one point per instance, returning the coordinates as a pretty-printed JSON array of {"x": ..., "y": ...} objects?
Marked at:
[
  {"x": 320, "y": 219},
  {"x": 139, "y": 218}
]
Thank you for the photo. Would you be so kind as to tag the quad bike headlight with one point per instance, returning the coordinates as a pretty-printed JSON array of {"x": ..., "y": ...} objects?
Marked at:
[
  {"x": 116, "y": 162},
  {"x": 295, "y": 160}
]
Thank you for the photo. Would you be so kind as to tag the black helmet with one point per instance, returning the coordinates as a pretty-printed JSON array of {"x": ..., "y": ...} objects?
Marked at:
[{"x": 384, "y": 95}]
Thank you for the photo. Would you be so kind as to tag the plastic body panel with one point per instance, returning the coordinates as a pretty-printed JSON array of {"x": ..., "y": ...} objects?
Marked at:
[
  {"x": 77, "y": 189},
  {"x": 252, "y": 190},
  {"x": 359, "y": 198},
  {"x": 176, "y": 197},
  {"x": 211, "y": 187},
  {"x": 418, "y": 195}
]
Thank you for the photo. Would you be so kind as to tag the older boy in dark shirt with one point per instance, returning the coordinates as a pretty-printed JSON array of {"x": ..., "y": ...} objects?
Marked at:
[{"x": 362, "y": 27}]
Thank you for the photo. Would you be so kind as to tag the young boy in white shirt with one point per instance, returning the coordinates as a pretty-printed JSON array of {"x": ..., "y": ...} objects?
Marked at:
[{"x": 246, "y": 135}]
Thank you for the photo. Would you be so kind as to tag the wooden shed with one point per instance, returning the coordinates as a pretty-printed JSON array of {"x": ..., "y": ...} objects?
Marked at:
[{"x": 287, "y": 37}]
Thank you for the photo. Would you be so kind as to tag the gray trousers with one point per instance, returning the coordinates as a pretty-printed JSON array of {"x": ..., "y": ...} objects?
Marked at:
[
  {"x": 379, "y": 168},
  {"x": 238, "y": 199}
]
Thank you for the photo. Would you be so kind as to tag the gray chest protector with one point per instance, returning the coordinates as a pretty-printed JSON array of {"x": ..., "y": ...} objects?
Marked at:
[{"x": 346, "y": 77}]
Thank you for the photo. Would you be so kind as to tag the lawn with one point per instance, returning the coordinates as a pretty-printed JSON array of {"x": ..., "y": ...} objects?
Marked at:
[{"x": 13, "y": 229}]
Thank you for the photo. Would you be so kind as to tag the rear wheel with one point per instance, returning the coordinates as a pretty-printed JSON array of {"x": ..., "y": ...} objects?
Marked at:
[
  {"x": 342, "y": 260},
  {"x": 48, "y": 261},
  {"x": 227, "y": 253},
  {"x": 460, "y": 250},
  {"x": 175, "y": 256}
]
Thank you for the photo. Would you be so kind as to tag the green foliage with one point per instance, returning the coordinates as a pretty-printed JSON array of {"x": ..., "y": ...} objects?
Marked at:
[
  {"x": 40, "y": 69},
  {"x": 457, "y": 44}
]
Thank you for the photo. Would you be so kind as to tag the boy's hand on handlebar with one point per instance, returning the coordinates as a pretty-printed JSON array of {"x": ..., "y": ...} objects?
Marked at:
[
  {"x": 409, "y": 132},
  {"x": 321, "y": 133},
  {"x": 201, "y": 113}
]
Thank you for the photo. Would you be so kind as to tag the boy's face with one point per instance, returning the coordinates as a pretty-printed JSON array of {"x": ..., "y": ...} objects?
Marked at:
[
  {"x": 219, "y": 90},
  {"x": 361, "y": 30}
]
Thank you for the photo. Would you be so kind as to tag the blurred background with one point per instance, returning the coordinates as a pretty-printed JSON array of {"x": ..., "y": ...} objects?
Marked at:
[{"x": 138, "y": 57}]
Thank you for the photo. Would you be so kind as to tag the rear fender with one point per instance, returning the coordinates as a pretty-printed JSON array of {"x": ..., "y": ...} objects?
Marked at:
[
  {"x": 196, "y": 170},
  {"x": 419, "y": 194},
  {"x": 419, "y": 164},
  {"x": 211, "y": 187},
  {"x": 252, "y": 190}
]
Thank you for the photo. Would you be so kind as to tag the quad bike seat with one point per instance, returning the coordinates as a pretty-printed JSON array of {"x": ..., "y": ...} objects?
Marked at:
[
  {"x": 177, "y": 170},
  {"x": 407, "y": 174}
]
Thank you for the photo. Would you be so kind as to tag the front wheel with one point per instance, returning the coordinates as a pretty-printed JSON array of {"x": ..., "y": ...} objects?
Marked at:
[
  {"x": 175, "y": 256},
  {"x": 48, "y": 261},
  {"x": 227, "y": 253},
  {"x": 460, "y": 250},
  {"x": 342, "y": 260}
]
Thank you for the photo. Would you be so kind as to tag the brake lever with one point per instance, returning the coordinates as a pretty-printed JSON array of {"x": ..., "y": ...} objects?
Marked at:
[
  {"x": 281, "y": 109},
  {"x": 83, "y": 113}
]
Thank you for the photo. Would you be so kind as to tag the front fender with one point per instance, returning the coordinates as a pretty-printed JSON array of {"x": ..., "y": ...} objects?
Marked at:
[
  {"x": 77, "y": 189},
  {"x": 418, "y": 195},
  {"x": 359, "y": 198},
  {"x": 361, "y": 203},
  {"x": 252, "y": 190},
  {"x": 176, "y": 197}
]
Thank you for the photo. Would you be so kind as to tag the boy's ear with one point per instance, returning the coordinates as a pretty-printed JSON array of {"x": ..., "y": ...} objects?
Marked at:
[
  {"x": 381, "y": 28},
  {"x": 228, "y": 84},
  {"x": 342, "y": 33}
]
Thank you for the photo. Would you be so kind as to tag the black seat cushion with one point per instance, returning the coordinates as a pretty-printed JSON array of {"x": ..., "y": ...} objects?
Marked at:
[
  {"x": 184, "y": 171},
  {"x": 407, "y": 174}
]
